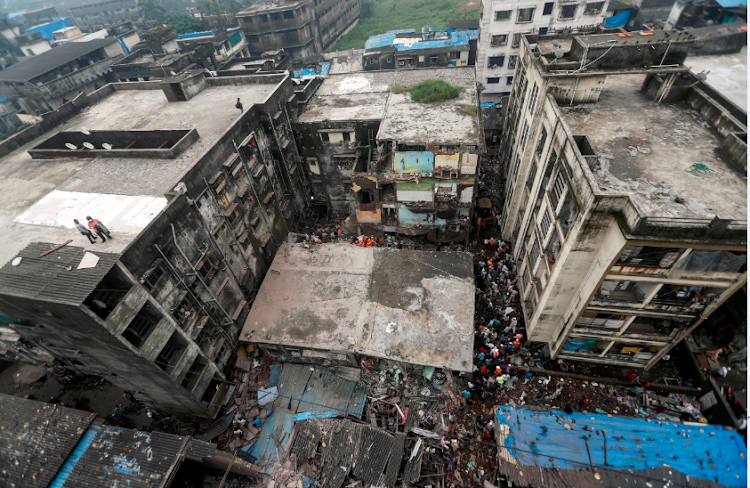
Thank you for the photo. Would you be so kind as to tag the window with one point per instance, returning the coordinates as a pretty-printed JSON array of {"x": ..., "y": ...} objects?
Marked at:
[
  {"x": 546, "y": 222},
  {"x": 548, "y": 8},
  {"x": 275, "y": 16},
  {"x": 516, "y": 166},
  {"x": 509, "y": 80},
  {"x": 390, "y": 59},
  {"x": 543, "y": 31},
  {"x": 593, "y": 8},
  {"x": 496, "y": 61},
  {"x": 559, "y": 188},
  {"x": 248, "y": 20},
  {"x": 499, "y": 40},
  {"x": 534, "y": 95},
  {"x": 533, "y": 254},
  {"x": 434, "y": 59},
  {"x": 568, "y": 11},
  {"x": 264, "y": 18},
  {"x": 524, "y": 135},
  {"x": 324, "y": 136},
  {"x": 525, "y": 15},
  {"x": 492, "y": 81},
  {"x": 289, "y": 14},
  {"x": 346, "y": 136},
  {"x": 542, "y": 140},
  {"x": 267, "y": 34},
  {"x": 502, "y": 15},
  {"x": 253, "y": 38},
  {"x": 372, "y": 60},
  {"x": 512, "y": 61}
]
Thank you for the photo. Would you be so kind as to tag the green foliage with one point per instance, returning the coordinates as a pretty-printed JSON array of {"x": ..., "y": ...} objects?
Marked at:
[
  {"x": 398, "y": 89},
  {"x": 434, "y": 91},
  {"x": 184, "y": 24},
  {"x": 379, "y": 16},
  {"x": 469, "y": 110}
]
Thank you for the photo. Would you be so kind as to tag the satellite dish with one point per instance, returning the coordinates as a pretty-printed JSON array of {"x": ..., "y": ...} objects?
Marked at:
[
  {"x": 559, "y": 53},
  {"x": 173, "y": 73},
  {"x": 106, "y": 146},
  {"x": 86, "y": 131},
  {"x": 702, "y": 75},
  {"x": 70, "y": 146},
  {"x": 88, "y": 145},
  {"x": 555, "y": 43}
]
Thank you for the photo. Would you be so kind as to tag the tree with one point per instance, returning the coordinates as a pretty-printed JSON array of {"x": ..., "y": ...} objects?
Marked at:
[
  {"x": 151, "y": 10},
  {"x": 184, "y": 24}
]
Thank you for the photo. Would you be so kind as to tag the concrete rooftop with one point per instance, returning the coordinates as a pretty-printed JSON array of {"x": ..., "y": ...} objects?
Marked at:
[
  {"x": 416, "y": 307},
  {"x": 368, "y": 96},
  {"x": 39, "y": 198},
  {"x": 671, "y": 138}
]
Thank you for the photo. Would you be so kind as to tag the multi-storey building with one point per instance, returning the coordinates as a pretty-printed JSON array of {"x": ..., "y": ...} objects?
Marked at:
[
  {"x": 48, "y": 80},
  {"x": 503, "y": 23},
  {"x": 625, "y": 198},
  {"x": 96, "y": 14},
  {"x": 391, "y": 163},
  {"x": 302, "y": 28},
  {"x": 407, "y": 49},
  {"x": 197, "y": 196}
]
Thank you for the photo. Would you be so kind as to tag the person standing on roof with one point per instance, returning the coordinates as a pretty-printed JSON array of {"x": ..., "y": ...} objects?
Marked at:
[
  {"x": 99, "y": 228},
  {"x": 84, "y": 231},
  {"x": 239, "y": 106}
]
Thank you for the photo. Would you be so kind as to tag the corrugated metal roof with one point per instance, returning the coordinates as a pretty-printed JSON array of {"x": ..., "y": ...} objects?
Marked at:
[
  {"x": 34, "y": 66},
  {"x": 35, "y": 440},
  {"x": 545, "y": 448},
  {"x": 126, "y": 457},
  {"x": 48, "y": 279}
]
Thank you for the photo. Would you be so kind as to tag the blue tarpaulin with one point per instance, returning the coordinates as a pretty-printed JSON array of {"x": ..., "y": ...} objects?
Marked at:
[
  {"x": 47, "y": 29},
  {"x": 457, "y": 38},
  {"x": 618, "y": 20},
  {"x": 732, "y": 3},
  {"x": 702, "y": 451}
]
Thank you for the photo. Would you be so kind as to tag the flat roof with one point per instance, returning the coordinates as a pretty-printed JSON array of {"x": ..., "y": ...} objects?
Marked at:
[
  {"x": 671, "y": 139},
  {"x": 416, "y": 307},
  {"x": 267, "y": 7},
  {"x": 35, "y": 66},
  {"x": 368, "y": 96},
  {"x": 39, "y": 198}
]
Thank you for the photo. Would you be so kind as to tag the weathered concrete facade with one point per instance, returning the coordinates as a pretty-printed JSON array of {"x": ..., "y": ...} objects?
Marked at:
[
  {"x": 627, "y": 234},
  {"x": 407, "y": 49},
  {"x": 48, "y": 80},
  {"x": 185, "y": 265},
  {"x": 392, "y": 164},
  {"x": 502, "y": 24},
  {"x": 302, "y": 28}
]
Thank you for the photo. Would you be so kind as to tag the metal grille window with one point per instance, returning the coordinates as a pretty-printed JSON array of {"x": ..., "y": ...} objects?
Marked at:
[
  {"x": 542, "y": 140},
  {"x": 517, "y": 38},
  {"x": 568, "y": 11},
  {"x": 496, "y": 61},
  {"x": 534, "y": 95},
  {"x": 502, "y": 15},
  {"x": 524, "y": 135},
  {"x": 548, "y": 8},
  {"x": 516, "y": 166},
  {"x": 532, "y": 175},
  {"x": 559, "y": 188},
  {"x": 525, "y": 15},
  {"x": 545, "y": 223},
  {"x": 512, "y": 61},
  {"x": 593, "y": 8},
  {"x": 509, "y": 197},
  {"x": 528, "y": 273},
  {"x": 533, "y": 254}
]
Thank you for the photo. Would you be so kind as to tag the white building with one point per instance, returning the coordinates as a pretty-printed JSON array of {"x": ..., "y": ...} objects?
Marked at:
[{"x": 502, "y": 22}]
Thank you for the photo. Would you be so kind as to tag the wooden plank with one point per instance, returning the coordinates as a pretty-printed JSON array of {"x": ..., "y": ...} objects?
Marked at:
[
  {"x": 239, "y": 308},
  {"x": 55, "y": 248},
  {"x": 223, "y": 284}
]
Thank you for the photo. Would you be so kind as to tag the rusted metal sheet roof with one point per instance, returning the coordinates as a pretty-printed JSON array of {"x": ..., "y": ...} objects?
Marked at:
[
  {"x": 54, "y": 277},
  {"x": 35, "y": 440}
]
